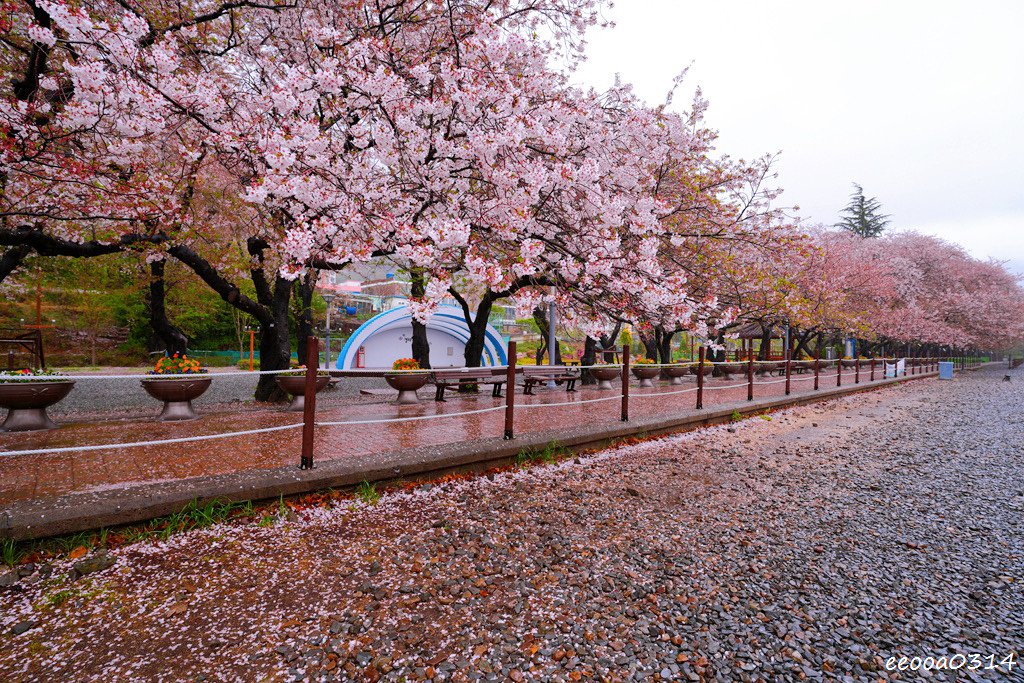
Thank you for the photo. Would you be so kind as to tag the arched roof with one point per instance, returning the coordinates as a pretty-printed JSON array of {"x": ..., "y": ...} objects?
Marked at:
[{"x": 448, "y": 320}]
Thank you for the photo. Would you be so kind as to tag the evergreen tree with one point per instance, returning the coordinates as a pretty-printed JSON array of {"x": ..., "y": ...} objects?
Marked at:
[{"x": 863, "y": 215}]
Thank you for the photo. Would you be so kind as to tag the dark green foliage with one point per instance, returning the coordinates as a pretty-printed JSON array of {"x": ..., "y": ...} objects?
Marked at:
[{"x": 863, "y": 215}]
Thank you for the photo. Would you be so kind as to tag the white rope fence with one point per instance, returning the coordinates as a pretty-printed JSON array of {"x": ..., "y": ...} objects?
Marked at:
[
  {"x": 157, "y": 442},
  {"x": 333, "y": 423}
]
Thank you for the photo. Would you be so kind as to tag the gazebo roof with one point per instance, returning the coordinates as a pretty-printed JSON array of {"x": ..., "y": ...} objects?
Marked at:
[{"x": 755, "y": 331}]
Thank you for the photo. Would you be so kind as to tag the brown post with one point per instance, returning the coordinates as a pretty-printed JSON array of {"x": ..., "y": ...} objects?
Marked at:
[
  {"x": 856, "y": 370},
  {"x": 625, "y": 382},
  {"x": 309, "y": 409},
  {"x": 10, "y": 360},
  {"x": 750, "y": 373},
  {"x": 510, "y": 391},
  {"x": 817, "y": 369},
  {"x": 872, "y": 369},
  {"x": 789, "y": 368},
  {"x": 839, "y": 372},
  {"x": 700, "y": 379}
]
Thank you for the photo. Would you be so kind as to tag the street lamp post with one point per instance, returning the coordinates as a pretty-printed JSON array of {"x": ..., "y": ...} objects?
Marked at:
[
  {"x": 252, "y": 344},
  {"x": 328, "y": 298}
]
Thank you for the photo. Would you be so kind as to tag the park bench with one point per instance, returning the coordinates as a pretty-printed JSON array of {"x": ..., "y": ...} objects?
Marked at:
[
  {"x": 455, "y": 377},
  {"x": 542, "y": 374}
]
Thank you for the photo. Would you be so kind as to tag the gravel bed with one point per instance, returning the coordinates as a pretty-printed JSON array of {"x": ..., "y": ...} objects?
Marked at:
[{"x": 813, "y": 545}]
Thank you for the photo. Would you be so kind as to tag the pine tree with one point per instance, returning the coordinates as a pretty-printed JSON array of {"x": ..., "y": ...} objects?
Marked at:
[{"x": 863, "y": 215}]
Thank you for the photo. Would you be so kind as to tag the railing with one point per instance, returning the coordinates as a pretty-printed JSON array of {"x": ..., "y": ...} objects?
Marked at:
[{"x": 756, "y": 373}]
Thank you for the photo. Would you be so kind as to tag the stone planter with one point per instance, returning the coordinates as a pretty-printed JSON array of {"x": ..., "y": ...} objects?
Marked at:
[
  {"x": 646, "y": 375},
  {"x": 676, "y": 373},
  {"x": 727, "y": 370},
  {"x": 604, "y": 376},
  {"x": 295, "y": 386},
  {"x": 27, "y": 403},
  {"x": 407, "y": 384},
  {"x": 177, "y": 395},
  {"x": 706, "y": 370}
]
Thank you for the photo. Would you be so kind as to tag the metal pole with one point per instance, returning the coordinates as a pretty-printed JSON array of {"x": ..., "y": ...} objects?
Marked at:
[
  {"x": 309, "y": 409},
  {"x": 625, "y": 382},
  {"x": 510, "y": 393},
  {"x": 700, "y": 379},
  {"x": 252, "y": 345}
]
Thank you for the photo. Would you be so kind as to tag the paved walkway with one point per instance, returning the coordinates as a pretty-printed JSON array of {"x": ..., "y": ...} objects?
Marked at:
[{"x": 41, "y": 476}]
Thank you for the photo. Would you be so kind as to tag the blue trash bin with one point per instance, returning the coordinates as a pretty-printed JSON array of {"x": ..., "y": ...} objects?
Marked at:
[{"x": 945, "y": 370}]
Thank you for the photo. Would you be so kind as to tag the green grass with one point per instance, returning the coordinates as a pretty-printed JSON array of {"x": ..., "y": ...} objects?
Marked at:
[
  {"x": 60, "y": 597},
  {"x": 735, "y": 417},
  {"x": 367, "y": 493},
  {"x": 192, "y": 516},
  {"x": 8, "y": 552},
  {"x": 549, "y": 455}
]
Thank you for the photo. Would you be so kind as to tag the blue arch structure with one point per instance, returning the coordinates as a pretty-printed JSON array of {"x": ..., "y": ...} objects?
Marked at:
[{"x": 448, "y": 320}]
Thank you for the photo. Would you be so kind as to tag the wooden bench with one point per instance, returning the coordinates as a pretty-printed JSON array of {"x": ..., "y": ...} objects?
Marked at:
[
  {"x": 455, "y": 377},
  {"x": 542, "y": 374}
]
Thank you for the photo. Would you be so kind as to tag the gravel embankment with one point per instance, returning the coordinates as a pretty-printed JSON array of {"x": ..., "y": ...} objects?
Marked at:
[{"x": 811, "y": 546}]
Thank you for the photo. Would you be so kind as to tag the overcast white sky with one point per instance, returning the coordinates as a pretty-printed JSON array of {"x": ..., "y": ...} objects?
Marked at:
[{"x": 920, "y": 102}]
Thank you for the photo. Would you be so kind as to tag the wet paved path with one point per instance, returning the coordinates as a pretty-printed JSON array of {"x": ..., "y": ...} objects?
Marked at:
[{"x": 49, "y": 475}]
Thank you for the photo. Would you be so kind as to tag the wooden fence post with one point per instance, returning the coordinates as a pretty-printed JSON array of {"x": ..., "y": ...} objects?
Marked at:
[
  {"x": 700, "y": 379},
  {"x": 309, "y": 398},
  {"x": 817, "y": 369},
  {"x": 789, "y": 368},
  {"x": 625, "y": 383},
  {"x": 510, "y": 391},
  {"x": 750, "y": 373}
]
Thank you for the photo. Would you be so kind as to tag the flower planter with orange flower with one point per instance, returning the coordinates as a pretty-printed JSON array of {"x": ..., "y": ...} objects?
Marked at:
[
  {"x": 407, "y": 380},
  {"x": 177, "y": 381}
]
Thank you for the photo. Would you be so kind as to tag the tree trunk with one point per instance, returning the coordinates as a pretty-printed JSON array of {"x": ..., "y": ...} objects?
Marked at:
[
  {"x": 589, "y": 358},
  {"x": 477, "y": 333},
  {"x": 766, "y": 342},
  {"x": 718, "y": 355},
  {"x": 420, "y": 343},
  {"x": 275, "y": 344},
  {"x": 172, "y": 338},
  {"x": 650, "y": 344},
  {"x": 12, "y": 259},
  {"x": 304, "y": 288}
]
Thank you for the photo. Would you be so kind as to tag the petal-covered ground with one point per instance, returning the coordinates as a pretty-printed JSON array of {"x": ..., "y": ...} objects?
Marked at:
[{"x": 815, "y": 544}]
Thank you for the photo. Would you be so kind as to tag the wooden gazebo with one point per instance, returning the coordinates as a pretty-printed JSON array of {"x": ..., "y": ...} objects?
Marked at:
[{"x": 752, "y": 332}]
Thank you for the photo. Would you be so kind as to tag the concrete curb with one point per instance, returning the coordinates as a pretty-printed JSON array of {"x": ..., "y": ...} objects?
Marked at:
[{"x": 76, "y": 512}]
